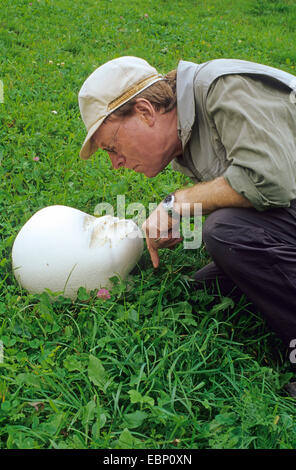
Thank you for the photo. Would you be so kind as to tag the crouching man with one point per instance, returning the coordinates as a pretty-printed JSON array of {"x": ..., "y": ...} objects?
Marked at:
[{"x": 231, "y": 126}]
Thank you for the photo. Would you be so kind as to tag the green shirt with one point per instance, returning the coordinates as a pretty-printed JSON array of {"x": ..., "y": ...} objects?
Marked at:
[
  {"x": 256, "y": 122},
  {"x": 241, "y": 125}
]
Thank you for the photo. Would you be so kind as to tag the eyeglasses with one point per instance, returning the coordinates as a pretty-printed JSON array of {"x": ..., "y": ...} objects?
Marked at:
[{"x": 112, "y": 147}]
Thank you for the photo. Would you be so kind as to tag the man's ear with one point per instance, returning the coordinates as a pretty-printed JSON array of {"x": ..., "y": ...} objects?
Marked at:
[{"x": 145, "y": 111}]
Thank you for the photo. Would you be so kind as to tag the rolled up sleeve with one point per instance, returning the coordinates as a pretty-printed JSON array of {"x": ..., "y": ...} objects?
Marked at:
[{"x": 256, "y": 123}]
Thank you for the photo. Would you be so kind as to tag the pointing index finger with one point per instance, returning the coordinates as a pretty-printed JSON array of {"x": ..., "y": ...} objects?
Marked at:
[{"x": 153, "y": 253}]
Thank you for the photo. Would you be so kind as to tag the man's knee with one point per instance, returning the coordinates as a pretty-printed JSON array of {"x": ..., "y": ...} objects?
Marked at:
[
  {"x": 233, "y": 230},
  {"x": 217, "y": 225}
]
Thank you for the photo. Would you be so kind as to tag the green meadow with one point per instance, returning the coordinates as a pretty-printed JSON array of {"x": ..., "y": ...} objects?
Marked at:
[{"x": 159, "y": 364}]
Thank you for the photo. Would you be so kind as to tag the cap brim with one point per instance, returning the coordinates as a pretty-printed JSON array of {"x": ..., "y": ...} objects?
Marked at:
[{"x": 89, "y": 147}]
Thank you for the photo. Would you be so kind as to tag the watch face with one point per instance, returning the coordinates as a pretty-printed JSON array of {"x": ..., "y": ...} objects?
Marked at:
[
  {"x": 168, "y": 199},
  {"x": 168, "y": 202}
]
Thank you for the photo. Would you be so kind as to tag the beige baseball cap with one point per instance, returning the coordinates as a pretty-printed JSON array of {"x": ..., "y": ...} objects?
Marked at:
[{"x": 109, "y": 87}]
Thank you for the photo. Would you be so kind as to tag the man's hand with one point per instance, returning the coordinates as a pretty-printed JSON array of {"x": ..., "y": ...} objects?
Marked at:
[{"x": 162, "y": 231}]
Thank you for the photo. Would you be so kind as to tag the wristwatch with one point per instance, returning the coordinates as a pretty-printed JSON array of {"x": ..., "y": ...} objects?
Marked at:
[{"x": 168, "y": 205}]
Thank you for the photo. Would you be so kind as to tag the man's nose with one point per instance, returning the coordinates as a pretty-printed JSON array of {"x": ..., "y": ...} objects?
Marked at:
[{"x": 117, "y": 160}]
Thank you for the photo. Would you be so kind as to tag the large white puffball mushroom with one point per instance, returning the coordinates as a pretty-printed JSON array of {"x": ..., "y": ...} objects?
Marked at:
[{"x": 61, "y": 248}]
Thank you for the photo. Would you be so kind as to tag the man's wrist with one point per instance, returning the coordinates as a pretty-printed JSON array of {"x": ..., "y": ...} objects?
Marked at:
[
  {"x": 169, "y": 205},
  {"x": 182, "y": 205},
  {"x": 168, "y": 201}
]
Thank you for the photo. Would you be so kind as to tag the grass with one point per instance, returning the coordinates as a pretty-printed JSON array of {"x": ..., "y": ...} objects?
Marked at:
[{"x": 159, "y": 365}]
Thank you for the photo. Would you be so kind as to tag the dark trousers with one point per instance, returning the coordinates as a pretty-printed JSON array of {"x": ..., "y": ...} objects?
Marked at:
[{"x": 255, "y": 252}]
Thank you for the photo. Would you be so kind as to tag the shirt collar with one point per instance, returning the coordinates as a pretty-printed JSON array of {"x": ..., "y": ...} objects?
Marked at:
[{"x": 185, "y": 99}]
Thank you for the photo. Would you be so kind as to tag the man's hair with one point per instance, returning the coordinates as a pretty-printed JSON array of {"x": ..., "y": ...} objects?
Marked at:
[{"x": 162, "y": 95}]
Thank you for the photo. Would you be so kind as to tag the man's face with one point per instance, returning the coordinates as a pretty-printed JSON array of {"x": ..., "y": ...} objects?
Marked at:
[{"x": 144, "y": 142}]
